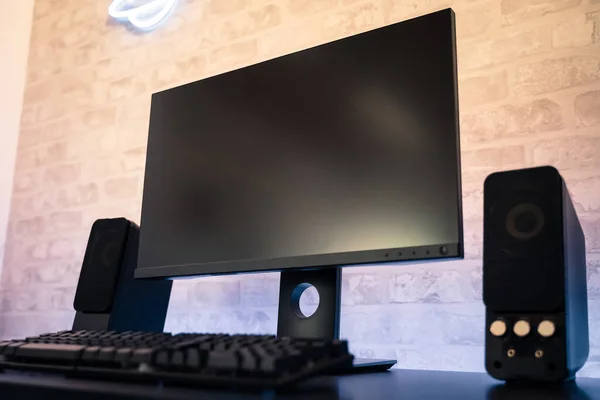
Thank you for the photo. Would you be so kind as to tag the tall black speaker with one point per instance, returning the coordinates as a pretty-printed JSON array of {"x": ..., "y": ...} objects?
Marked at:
[
  {"x": 534, "y": 277},
  {"x": 108, "y": 297}
]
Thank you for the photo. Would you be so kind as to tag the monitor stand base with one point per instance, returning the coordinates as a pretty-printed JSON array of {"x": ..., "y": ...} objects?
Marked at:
[
  {"x": 365, "y": 366},
  {"x": 325, "y": 322}
]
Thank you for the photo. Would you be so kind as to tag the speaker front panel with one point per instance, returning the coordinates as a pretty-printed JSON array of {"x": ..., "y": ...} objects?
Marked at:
[
  {"x": 523, "y": 267},
  {"x": 101, "y": 266}
]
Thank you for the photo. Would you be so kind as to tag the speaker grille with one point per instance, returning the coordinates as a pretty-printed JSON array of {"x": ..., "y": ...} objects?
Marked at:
[
  {"x": 101, "y": 265},
  {"x": 523, "y": 242}
]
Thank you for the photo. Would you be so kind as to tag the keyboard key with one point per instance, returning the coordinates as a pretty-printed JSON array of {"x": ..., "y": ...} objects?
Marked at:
[
  {"x": 107, "y": 354},
  {"x": 178, "y": 359},
  {"x": 248, "y": 361},
  {"x": 162, "y": 358},
  {"x": 222, "y": 360},
  {"x": 11, "y": 348},
  {"x": 142, "y": 356},
  {"x": 193, "y": 358},
  {"x": 206, "y": 346},
  {"x": 4, "y": 345},
  {"x": 50, "y": 351},
  {"x": 123, "y": 355},
  {"x": 191, "y": 342},
  {"x": 90, "y": 353},
  {"x": 221, "y": 347}
]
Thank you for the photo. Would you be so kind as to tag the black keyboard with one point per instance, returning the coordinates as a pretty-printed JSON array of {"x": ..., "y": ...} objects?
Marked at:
[{"x": 244, "y": 361}]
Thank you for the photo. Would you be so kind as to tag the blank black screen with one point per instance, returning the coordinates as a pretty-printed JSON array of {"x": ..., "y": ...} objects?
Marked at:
[{"x": 315, "y": 158}]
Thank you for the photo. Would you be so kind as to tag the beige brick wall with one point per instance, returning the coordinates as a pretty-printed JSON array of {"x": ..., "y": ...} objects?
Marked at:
[
  {"x": 15, "y": 29},
  {"x": 529, "y": 74}
]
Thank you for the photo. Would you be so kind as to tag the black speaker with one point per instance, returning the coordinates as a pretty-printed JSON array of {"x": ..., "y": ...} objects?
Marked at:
[
  {"x": 534, "y": 278},
  {"x": 108, "y": 297}
]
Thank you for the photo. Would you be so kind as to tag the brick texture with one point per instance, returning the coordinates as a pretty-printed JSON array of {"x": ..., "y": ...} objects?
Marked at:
[
  {"x": 577, "y": 32},
  {"x": 515, "y": 44},
  {"x": 529, "y": 83},
  {"x": 511, "y": 121},
  {"x": 587, "y": 108},
  {"x": 555, "y": 74},
  {"x": 477, "y": 19},
  {"x": 520, "y": 10},
  {"x": 483, "y": 89}
]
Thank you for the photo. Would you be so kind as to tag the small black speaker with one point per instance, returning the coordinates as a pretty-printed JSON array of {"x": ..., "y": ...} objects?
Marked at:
[
  {"x": 534, "y": 278},
  {"x": 108, "y": 297}
]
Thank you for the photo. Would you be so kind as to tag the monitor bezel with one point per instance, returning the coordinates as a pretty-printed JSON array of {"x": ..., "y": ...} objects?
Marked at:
[
  {"x": 390, "y": 256},
  {"x": 443, "y": 251}
]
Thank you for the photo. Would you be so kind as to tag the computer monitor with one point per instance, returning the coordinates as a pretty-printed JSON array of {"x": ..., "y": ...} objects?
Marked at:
[{"x": 342, "y": 154}]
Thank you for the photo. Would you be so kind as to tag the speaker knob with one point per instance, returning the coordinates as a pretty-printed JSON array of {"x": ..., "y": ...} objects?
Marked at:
[
  {"x": 498, "y": 328},
  {"x": 522, "y": 328},
  {"x": 546, "y": 328}
]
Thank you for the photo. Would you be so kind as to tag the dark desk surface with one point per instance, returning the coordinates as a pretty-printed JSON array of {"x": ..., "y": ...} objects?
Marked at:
[{"x": 396, "y": 384}]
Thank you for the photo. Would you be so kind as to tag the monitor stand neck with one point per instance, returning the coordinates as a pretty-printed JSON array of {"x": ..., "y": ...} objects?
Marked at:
[{"x": 325, "y": 322}]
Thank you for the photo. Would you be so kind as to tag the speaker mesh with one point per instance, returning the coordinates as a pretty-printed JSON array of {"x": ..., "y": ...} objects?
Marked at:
[
  {"x": 523, "y": 243},
  {"x": 101, "y": 266}
]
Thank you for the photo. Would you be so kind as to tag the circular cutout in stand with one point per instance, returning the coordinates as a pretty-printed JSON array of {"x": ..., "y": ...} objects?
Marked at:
[{"x": 305, "y": 300}]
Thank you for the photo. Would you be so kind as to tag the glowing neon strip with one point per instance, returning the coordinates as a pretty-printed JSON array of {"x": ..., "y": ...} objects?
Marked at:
[{"x": 144, "y": 17}]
